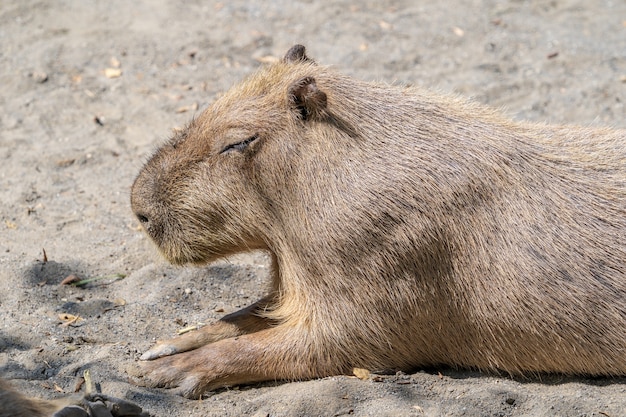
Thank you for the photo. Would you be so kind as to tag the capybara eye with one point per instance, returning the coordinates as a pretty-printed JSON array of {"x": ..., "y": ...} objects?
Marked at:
[{"x": 240, "y": 146}]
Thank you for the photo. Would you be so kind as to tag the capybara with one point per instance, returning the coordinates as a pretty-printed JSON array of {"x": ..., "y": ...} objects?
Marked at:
[
  {"x": 15, "y": 404},
  {"x": 406, "y": 229}
]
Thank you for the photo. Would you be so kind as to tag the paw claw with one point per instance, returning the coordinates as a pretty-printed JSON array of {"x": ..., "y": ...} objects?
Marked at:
[
  {"x": 190, "y": 388},
  {"x": 161, "y": 373},
  {"x": 178, "y": 372},
  {"x": 145, "y": 375},
  {"x": 159, "y": 351},
  {"x": 136, "y": 375}
]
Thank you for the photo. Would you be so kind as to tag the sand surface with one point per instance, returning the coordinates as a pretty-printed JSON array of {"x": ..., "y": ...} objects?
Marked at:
[{"x": 90, "y": 88}]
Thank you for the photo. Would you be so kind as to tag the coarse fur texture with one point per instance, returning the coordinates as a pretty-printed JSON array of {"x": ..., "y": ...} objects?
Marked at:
[
  {"x": 406, "y": 228},
  {"x": 14, "y": 404}
]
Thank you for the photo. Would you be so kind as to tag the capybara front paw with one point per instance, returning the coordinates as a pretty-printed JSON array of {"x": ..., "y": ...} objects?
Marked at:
[
  {"x": 153, "y": 374},
  {"x": 168, "y": 372}
]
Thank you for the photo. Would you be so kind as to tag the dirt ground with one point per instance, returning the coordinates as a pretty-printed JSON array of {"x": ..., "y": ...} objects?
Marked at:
[{"x": 90, "y": 88}]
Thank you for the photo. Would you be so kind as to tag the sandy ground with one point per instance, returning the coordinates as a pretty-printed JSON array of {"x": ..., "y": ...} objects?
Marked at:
[{"x": 73, "y": 135}]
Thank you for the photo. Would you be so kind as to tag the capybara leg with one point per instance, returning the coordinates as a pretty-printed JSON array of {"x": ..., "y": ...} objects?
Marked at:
[
  {"x": 277, "y": 353},
  {"x": 241, "y": 322}
]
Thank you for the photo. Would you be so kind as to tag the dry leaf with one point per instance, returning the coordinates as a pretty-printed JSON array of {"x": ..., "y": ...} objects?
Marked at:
[
  {"x": 119, "y": 302},
  {"x": 79, "y": 383},
  {"x": 187, "y": 329},
  {"x": 384, "y": 25},
  {"x": 174, "y": 96},
  {"x": 184, "y": 109},
  {"x": 458, "y": 31},
  {"x": 361, "y": 373},
  {"x": 267, "y": 59},
  {"x": 70, "y": 279},
  {"x": 112, "y": 72},
  {"x": 64, "y": 163},
  {"x": 10, "y": 224},
  {"x": 68, "y": 319},
  {"x": 190, "y": 328},
  {"x": 58, "y": 388}
]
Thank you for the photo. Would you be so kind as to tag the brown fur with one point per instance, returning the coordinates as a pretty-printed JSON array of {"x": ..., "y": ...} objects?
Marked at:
[
  {"x": 14, "y": 404},
  {"x": 407, "y": 229}
]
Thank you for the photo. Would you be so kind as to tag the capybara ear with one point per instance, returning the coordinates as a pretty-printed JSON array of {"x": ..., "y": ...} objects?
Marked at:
[
  {"x": 309, "y": 100},
  {"x": 295, "y": 54}
]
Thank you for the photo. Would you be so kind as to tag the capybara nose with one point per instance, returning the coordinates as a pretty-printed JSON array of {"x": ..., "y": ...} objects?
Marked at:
[{"x": 147, "y": 223}]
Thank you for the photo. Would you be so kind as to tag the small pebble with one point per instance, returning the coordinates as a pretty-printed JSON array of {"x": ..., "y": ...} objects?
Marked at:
[{"x": 40, "y": 77}]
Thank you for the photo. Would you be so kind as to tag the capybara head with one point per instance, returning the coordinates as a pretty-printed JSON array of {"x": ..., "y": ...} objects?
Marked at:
[{"x": 212, "y": 190}]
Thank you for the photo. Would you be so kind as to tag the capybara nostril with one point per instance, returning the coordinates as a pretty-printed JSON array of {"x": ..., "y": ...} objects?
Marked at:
[{"x": 143, "y": 219}]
